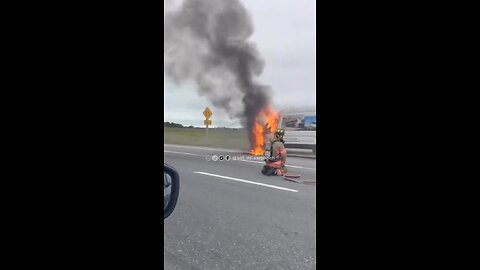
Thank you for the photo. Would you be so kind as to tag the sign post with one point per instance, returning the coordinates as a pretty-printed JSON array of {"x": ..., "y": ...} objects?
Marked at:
[{"x": 207, "y": 113}]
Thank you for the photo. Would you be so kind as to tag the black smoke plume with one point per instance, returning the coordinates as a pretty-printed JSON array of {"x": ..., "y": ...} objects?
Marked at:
[{"x": 207, "y": 42}]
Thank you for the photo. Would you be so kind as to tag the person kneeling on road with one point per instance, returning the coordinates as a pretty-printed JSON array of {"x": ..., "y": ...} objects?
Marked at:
[{"x": 275, "y": 154}]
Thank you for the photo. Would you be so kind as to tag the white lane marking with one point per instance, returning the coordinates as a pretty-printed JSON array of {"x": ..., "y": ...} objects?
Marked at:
[
  {"x": 301, "y": 150},
  {"x": 299, "y": 167},
  {"x": 258, "y": 162},
  {"x": 251, "y": 161},
  {"x": 246, "y": 181},
  {"x": 203, "y": 148},
  {"x": 190, "y": 154}
]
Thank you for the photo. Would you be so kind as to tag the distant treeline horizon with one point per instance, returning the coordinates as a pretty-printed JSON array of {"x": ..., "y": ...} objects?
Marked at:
[{"x": 177, "y": 125}]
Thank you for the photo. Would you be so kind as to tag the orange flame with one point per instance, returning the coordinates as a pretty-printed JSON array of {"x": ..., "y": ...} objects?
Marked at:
[{"x": 266, "y": 118}]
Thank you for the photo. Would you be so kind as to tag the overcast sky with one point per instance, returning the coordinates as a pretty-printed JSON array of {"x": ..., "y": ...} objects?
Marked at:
[{"x": 285, "y": 36}]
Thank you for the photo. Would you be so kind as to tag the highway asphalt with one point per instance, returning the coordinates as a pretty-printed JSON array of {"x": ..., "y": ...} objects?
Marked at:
[{"x": 230, "y": 216}]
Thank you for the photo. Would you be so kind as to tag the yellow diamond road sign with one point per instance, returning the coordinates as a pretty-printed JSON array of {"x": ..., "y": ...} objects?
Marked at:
[{"x": 207, "y": 113}]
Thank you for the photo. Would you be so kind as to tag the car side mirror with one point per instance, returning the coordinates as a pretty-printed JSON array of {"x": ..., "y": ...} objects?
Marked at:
[{"x": 171, "y": 187}]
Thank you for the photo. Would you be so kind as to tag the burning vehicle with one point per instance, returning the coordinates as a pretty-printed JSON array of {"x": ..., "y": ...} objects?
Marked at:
[
  {"x": 299, "y": 126},
  {"x": 265, "y": 122}
]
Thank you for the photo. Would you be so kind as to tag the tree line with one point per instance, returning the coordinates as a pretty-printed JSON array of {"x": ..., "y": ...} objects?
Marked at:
[{"x": 174, "y": 125}]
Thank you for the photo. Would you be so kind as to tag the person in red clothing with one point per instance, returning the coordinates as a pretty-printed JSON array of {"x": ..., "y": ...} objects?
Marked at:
[{"x": 275, "y": 154}]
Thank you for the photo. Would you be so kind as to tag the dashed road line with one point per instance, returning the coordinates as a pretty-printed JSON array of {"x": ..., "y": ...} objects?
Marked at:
[{"x": 246, "y": 181}]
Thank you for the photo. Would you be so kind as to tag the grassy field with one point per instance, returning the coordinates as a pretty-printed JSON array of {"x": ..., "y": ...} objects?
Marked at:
[{"x": 221, "y": 138}]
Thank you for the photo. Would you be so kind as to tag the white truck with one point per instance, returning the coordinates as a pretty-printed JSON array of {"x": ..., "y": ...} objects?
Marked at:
[{"x": 300, "y": 129}]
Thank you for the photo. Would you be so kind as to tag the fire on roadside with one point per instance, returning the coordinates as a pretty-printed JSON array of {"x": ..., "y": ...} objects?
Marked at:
[{"x": 266, "y": 121}]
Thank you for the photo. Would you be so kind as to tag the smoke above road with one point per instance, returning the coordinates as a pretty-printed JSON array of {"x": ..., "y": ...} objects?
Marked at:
[{"x": 207, "y": 42}]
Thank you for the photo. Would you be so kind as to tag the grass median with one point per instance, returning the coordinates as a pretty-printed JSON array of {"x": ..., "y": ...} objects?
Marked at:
[{"x": 217, "y": 137}]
